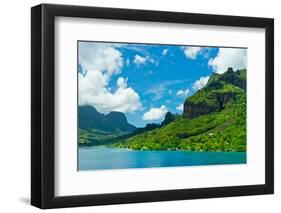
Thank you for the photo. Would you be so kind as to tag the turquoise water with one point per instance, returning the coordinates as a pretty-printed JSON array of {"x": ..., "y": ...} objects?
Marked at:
[{"x": 96, "y": 158}]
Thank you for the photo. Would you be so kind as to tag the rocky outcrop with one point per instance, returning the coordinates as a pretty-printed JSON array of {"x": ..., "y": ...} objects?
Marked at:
[
  {"x": 234, "y": 78},
  {"x": 220, "y": 90},
  {"x": 237, "y": 78},
  {"x": 214, "y": 104},
  {"x": 191, "y": 110}
]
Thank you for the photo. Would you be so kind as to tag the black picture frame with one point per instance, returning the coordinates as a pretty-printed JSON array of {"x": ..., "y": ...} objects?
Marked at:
[{"x": 43, "y": 102}]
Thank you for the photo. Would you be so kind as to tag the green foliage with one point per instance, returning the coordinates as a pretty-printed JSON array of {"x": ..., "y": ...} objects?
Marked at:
[
  {"x": 220, "y": 131},
  {"x": 95, "y": 137},
  {"x": 223, "y": 130}
]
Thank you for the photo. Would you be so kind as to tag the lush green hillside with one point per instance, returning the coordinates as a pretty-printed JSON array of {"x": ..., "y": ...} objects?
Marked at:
[
  {"x": 93, "y": 137},
  {"x": 214, "y": 119}
]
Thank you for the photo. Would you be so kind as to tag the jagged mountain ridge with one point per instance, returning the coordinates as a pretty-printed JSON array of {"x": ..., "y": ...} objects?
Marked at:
[
  {"x": 220, "y": 89},
  {"x": 90, "y": 118}
]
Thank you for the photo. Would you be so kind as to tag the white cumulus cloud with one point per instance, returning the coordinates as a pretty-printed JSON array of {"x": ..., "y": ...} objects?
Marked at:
[
  {"x": 192, "y": 52},
  {"x": 200, "y": 83},
  {"x": 155, "y": 114},
  {"x": 140, "y": 60},
  {"x": 182, "y": 93},
  {"x": 102, "y": 57},
  {"x": 229, "y": 57},
  {"x": 102, "y": 62},
  {"x": 179, "y": 107}
]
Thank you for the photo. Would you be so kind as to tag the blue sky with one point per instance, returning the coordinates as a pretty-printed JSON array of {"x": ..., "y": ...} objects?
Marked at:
[{"x": 146, "y": 80}]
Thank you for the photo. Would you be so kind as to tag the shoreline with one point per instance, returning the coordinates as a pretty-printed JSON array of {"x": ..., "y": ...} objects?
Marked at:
[{"x": 153, "y": 150}]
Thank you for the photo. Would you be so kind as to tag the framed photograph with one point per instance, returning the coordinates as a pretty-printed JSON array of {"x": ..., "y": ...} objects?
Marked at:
[{"x": 139, "y": 106}]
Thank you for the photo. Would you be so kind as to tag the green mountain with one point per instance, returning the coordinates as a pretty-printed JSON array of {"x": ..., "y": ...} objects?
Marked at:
[
  {"x": 219, "y": 90},
  {"x": 214, "y": 119},
  {"x": 94, "y": 137},
  {"x": 95, "y": 127},
  {"x": 90, "y": 118}
]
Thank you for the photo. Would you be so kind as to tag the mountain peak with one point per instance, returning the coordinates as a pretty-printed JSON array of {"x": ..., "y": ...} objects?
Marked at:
[
  {"x": 236, "y": 78},
  {"x": 169, "y": 117},
  {"x": 90, "y": 118},
  {"x": 218, "y": 92},
  {"x": 230, "y": 70},
  {"x": 116, "y": 114}
]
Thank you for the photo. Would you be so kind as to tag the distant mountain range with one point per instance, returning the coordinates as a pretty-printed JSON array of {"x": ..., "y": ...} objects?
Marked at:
[
  {"x": 113, "y": 122},
  {"x": 96, "y": 128}
]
